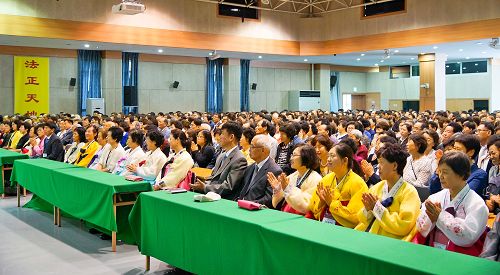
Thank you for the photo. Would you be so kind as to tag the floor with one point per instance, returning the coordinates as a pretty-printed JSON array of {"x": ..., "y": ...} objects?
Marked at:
[{"x": 31, "y": 244}]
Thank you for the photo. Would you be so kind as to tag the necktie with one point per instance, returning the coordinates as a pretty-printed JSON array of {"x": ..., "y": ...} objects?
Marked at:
[{"x": 255, "y": 171}]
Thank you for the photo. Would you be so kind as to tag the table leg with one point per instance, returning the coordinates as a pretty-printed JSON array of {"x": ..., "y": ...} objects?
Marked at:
[
  {"x": 148, "y": 263},
  {"x": 113, "y": 233},
  {"x": 18, "y": 187},
  {"x": 3, "y": 194},
  {"x": 55, "y": 212},
  {"x": 59, "y": 217},
  {"x": 24, "y": 192}
]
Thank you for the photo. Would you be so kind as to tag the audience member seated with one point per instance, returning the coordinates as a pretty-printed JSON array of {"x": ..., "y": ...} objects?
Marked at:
[
  {"x": 227, "y": 174},
  {"x": 245, "y": 141},
  {"x": 491, "y": 248},
  {"x": 178, "y": 164},
  {"x": 102, "y": 144},
  {"x": 53, "y": 148},
  {"x": 293, "y": 193},
  {"x": 404, "y": 133},
  {"x": 204, "y": 151},
  {"x": 16, "y": 135},
  {"x": 391, "y": 207},
  {"x": 264, "y": 127},
  {"x": 484, "y": 131},
  {"x": 371, "y": 172},
  {"x": 432, "y": 139},
  {"x": 113, "y": 153},
  {"x": 323, "y": 144},
  {"x": 285, "y": 148},
  {"x": 66, "y": 134},
  {"x": 493, "y": 189},
  {"x": 337, "y": 199},
  {"x": 478, "y": 179},
  {"x": 454, "y": 218},
  {"x": 255, "y": 186},
  {"x": 24, "y": 141},
  {"x": 418, "y": 169},
  {"x": 134, "y": 153},
  {"x": 362, "y": 152},
  {"x": 78, "y": 143},
  {"x": 154, "y": 160},
  {"x": 37, "y": 143}
]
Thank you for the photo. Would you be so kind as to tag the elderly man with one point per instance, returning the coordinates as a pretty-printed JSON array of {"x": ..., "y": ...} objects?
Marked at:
[
  {"x": 255, "y": 186},
  {"x": 229, "y": 168}
]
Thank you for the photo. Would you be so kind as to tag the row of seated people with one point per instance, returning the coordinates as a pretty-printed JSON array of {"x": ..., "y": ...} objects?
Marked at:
[{"x": 300, "y": 182}]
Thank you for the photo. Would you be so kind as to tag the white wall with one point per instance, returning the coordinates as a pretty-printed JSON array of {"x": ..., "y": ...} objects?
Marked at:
[{"x": 273, "y": 86}]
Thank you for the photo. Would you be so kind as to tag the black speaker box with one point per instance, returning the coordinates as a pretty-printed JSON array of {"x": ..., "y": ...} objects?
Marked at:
[
  {"x": 72, "y": 82},
  {"x": 254, "y": 86},
  {"x": 175, "y": 84}
]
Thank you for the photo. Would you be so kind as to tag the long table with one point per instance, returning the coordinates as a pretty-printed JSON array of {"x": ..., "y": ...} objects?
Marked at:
[
  {"x": 220, "y": 238},
  {"x": 83, "y": 193},
  {"x": 8, "y": 157}
]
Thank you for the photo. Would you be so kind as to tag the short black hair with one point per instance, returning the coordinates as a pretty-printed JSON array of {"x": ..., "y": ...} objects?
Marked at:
[
  {"x": 470, "y": 142},
  {"x": 137, "y": 137},
  {"x": 458, "y": 162},
  {"x": 456, "y": 127},
  {"x": 207, "y": 136},
  {"x": 308, "y": 156},
  {"x": 80, "y": 131},
  {"x": 233, "y": 129},
  {"x": 249, "y": 133},
  {"x": 434, "y": 136},
  {"x": 489, "y": 126},
  {"x": 323, "y": 140},
  {"x": 116, "y": 133},
  {"x": 394, "y": 153},
  {"x": 51, "y": 125},
  {"x": 493, "y": 140},
  {"x": 407, "y": 125},
  {"x": 314, "y": 129},
  {"x": 289, "y": 130},
  {"x": 156, "y": 137},
  {"x": 419, "y": 141}
]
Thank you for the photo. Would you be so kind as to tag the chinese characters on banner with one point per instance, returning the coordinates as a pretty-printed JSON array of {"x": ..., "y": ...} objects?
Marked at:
[{"x": 31, "y": 78}]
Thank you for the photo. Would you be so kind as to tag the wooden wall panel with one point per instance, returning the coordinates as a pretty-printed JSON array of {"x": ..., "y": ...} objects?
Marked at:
[
  {"x": 396, "y": 105},
  {"x": 26, "y": 51},
  {"x": 459, "y": 104}
]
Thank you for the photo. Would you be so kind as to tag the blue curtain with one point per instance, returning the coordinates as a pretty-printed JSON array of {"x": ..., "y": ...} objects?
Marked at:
[
  {"x": 130, "y": 68},
  {"x": 245, "y": 85},
  {"x": 89, "y": 78},
  {"x": 214, "y": 85},
  {"x": 335, "y": 94}
]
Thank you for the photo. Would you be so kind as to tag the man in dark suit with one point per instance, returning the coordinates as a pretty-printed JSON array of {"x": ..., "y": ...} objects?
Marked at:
[
  {"x": 53, "y": 148},
  {"x": 230, "y": 165},
  {"x": 255, "y": 186},
  {"x": 67, "y": 136}
]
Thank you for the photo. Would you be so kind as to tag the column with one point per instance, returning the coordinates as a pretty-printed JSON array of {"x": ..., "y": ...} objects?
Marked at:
[
  {"x": 231, "y": 97},
  {"x": 322, "y": 84},
  {"x": 495, "y": 85},
  {"x": 432, "y": 81},
  {"x": 111, "y": 82}
]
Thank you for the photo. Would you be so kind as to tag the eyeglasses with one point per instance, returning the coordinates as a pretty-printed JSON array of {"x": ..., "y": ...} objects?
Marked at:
[{"x": 255, "y": 147}]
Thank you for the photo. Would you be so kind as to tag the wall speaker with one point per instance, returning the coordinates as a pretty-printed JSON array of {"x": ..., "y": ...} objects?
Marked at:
[
  {"x": 72, "y": 82},
  {"x": 254, "y": 86},
  {"x": 175, "y": 84}
]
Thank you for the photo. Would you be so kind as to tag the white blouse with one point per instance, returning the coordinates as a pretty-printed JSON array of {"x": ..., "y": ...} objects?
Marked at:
[
  {"x": 110, "y": 157},
  {"x": 72, "y": 152},
  {"x": 154, "y": 161},
  {"x": 469, "y": 222},
  {"x": 418, "y": 172}
]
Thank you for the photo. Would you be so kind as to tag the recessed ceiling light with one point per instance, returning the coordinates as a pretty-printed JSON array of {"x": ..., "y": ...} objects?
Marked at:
[
  {"x": 413, "y": 58},
  {"x": 86, "y": 46},
  {"x": 479, "y": 43},
  {"x": 305, "y": 60},
  {"x": 260, "y": 56},
  {"x": 476, "y": 64},
  {"x": 358, "y": 59},
  {"x": 381, "y": 61},
  {"x": 461, "y": 50},
  {"x": 376, "y": 65},
  {"x": 396, "y": 51},
  {"x": 422, "y": 53},
  {"x": 210, "y": 53},
  {"x": 464, "y": 68},
  {"x": 235, "y": 9},
  {"x": 453, "y": 70},
  {"x": 362, "y": 54},
  {"x": 447, "y": 66},
  {"x": 160, "y": 50},
  {"x": 467, "y": 57},
  {"x": 484, "y": 52},
  {"x": 97, "y": 47},
  {"x": 435, "y": 47}
]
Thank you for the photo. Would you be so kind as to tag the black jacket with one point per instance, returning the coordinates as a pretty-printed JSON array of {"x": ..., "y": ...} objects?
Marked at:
[
  {"x": 53, "y": 148},
  {"x": 259, "y": 190}
]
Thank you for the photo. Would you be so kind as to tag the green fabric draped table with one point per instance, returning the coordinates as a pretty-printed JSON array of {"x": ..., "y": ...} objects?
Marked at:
[
  {"x": 86, "y": 194},
  {"x": 8, "y": 157},
  {"x": 219, "y": 238}
]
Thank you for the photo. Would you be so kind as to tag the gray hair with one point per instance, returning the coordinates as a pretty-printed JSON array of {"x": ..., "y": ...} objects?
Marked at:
[
  {"x": 357, "y": 133},
  {"x": 263, "y": 140}
]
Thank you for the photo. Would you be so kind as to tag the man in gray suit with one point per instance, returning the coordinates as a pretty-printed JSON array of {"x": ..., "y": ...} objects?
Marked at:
[
  {"x": 255, "y": 186},
  {"x": 230, "y": 165}
]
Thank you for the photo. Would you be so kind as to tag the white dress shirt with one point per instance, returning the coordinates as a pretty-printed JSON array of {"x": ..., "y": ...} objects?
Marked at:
[{"x": 110, "y": 157}]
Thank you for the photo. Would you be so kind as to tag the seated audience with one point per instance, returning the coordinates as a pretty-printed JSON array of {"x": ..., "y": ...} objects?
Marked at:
[
  {"x": 337, "y": 199},
  {"x": 245, "y": 141},
  {"x": 78, "y": 143},
  {"x": 418, "y": 169},
  {"x": 134, "y": 153},
  {"x": 293, "y": 193},
  {"x": 391, "y": 207},
  {"x": 53, "y": 148},
  {"x": 493, "y": 188},
  {"x": 322, "y": 144},
  {"x": 90, "y": 148},
  {"x": 204, "y": 151},
  {"x": 154, "y": 160},
  {"x": 285, "y": 148},
  {"x": 454, "y": 218}
]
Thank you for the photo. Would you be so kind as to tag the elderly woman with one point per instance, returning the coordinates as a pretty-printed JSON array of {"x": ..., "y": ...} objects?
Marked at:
[
  {"x": 418, "y": 169},
  {"x": 337, "y": 199},
  {"x": 134, "y": 153},
  {"x": 152, "y": 163},
  {"x": 78, "y": 143},
  {"x": 454, "y": 218},
  {"x": 323, "y": 144},
  {"x": 293, "y": 193},
  {"x": 102, "y": 144},
  {"x": 432, "y": 139},
  {"x": 391, "y": 207},
  {"x": 178, "y": 164},
  {"x": 362, "y": 152},
  {"x": 36, "y": 142}
]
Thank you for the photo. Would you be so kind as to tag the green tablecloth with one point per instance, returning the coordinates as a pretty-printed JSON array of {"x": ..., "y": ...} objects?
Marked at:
[
  {"x": 83, "y": 193},
  {"x": 204, "y": 238},
  {"x": 219, "y": 238},
  {"x": 8, "y": 157}
]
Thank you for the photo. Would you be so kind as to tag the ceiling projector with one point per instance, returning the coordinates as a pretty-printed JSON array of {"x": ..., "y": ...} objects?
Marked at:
[{"x": 129, "y": 8}]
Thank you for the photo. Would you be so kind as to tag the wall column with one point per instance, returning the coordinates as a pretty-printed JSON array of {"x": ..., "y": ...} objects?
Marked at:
[
  {"x": 495, "y": 85},
  {"x": 111, "y": 83},
  {"x": 322, "y": 84},
  {"x": 432, "y": 75},
  {"x": 231, "y": 97}
]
